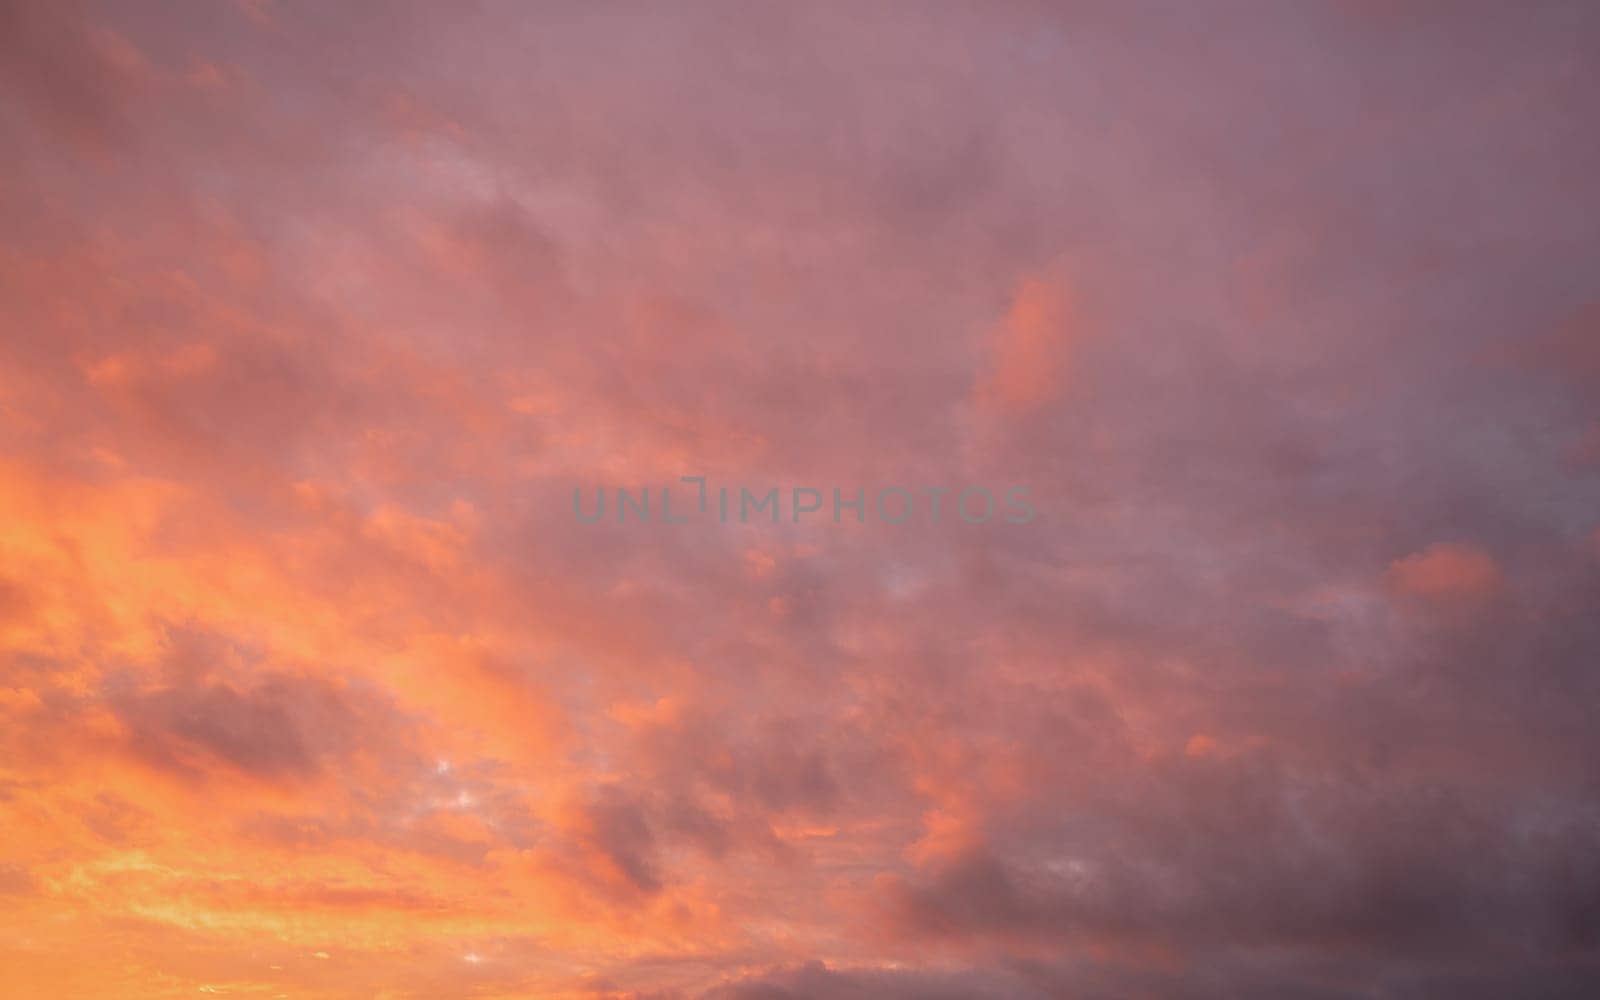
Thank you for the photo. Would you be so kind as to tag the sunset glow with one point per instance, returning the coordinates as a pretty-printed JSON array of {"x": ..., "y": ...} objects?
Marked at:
[{"x": 1282, "y": 320}]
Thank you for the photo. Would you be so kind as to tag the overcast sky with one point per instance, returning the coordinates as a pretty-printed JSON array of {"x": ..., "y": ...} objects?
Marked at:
[{"x": 313, "y": 316}]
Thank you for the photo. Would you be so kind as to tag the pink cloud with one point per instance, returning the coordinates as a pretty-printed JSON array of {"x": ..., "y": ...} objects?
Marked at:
[
  {"x": 1446, "y": 571},
  {"x": 1029, "y": 349}
]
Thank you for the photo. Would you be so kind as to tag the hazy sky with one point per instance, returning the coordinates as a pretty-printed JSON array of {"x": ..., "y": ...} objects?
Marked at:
[{"x": 313, "y": 315}]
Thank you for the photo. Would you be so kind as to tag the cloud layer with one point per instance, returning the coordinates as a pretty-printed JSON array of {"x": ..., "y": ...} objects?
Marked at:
[{"x": 316, "y": 314}]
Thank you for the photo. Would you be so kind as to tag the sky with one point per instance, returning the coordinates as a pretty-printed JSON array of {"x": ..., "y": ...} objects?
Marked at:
[{"x": 315, "y": 317}]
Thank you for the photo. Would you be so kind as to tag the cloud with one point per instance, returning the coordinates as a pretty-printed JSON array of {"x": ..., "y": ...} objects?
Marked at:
[
  {"x": 1030, "y": 349},
  {"x": 1446, "y": 571},
  {"x": 280, "y": 727},
  {"x": 1287, "y": 690},
  {"x": 76, "y": 81}
]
